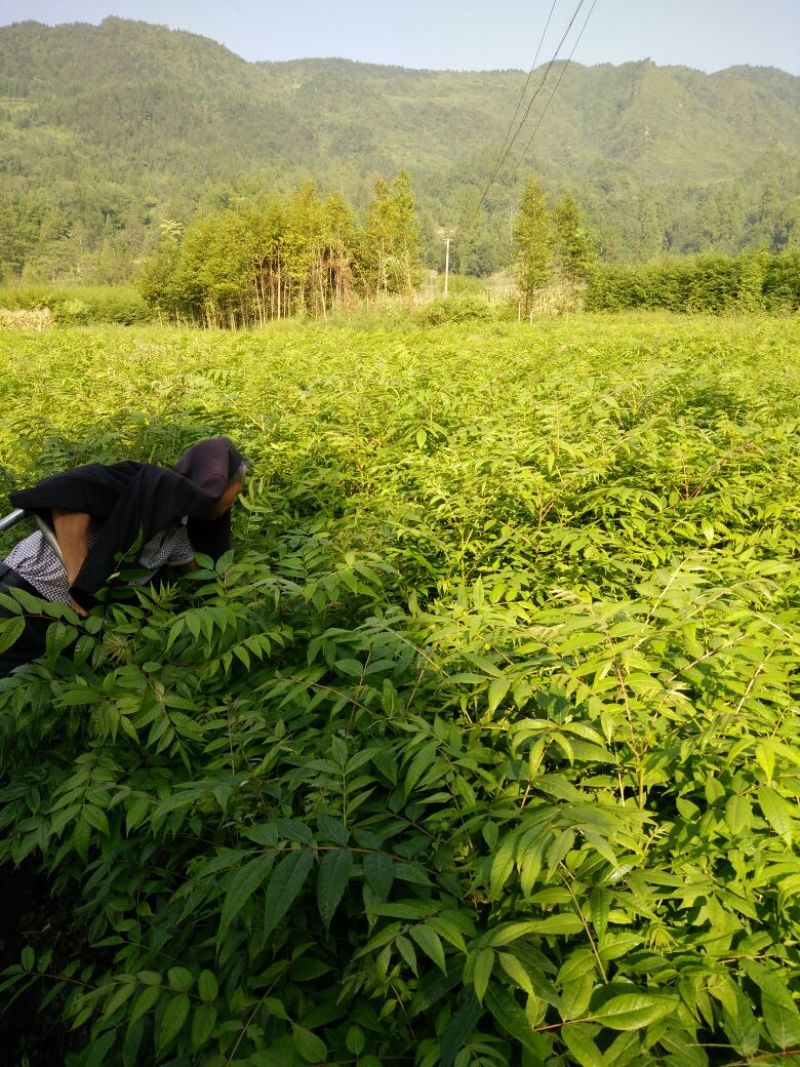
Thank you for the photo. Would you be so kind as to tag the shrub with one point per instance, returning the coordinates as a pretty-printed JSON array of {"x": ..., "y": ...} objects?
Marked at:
[
  {"x": 454, "y": 309},
  {"x": 710, "y": 283},
  {"x": 80, "y": 306}
]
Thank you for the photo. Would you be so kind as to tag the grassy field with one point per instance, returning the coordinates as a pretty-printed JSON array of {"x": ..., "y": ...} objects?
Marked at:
[{"x": 482, "y": 747}]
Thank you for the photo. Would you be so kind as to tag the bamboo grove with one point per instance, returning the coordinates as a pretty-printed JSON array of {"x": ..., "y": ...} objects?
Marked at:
[{"x": 274, "y": 257}]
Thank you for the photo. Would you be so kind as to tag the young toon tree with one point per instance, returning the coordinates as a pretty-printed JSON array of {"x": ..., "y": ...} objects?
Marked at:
[
  {"x": 533, "y": 258},
  {"x": 392, "y": 239},
  {"x": 573, "y": 245}
]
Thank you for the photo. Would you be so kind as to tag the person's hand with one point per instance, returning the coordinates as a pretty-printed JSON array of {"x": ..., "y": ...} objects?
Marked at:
[{"x": 76, "y": 607}]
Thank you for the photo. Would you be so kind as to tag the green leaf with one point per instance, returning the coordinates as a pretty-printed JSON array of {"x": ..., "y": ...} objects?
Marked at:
[
  {"x": 781, "y": 1019},
  {"x": 123, "y": 994},
  {"x": 242, "y": 886},
  {"x": 332, "y": 878},
  {"x": 738, "y": 813},
  {"x": 80, "y": 838},
  {"x": 379, "y": 873},
  {"x": 275, "y": 1007},
  {"x": 79, "y": 697},
  {"x": 778, "y": 1006},
  {"x": 132, "y": 1044},
  {"x": 634, "y": 1011},
  {"x": 576, "y": 965},
  {"x": 10, "y": 632},
  {"x": 355, "y": 1040},
  {"x": 560, "y": 847},
  {"x": 562, "y": 923},
  {"x": 776, "y": 811},
  {"x": 683, "y": 1050},
  {"x": 295, "y": 830},
  {"x": 284, "y": 886},
  {"x": 180, "y": 979},
  {"x": 408, "y": 952},
  {"x": 333, "y": 830},
  {"x": 765, "y": 758},
  {"x": 203, "y": 1022},
  {"x": 265, "y": 834},
  {"x": 171, "y": 1023},
  {"x": 207, "y": 986},
  {"x": 458, "y": 1030},
  {"x": 739, "y": 1022},
  {"x": 498, "y": 687},
  {"x": 578, "y": 1039},
  {"x": 484, "y": 965},
  {"x": 423, "y": 760},
  {"x": 144, "y": 1002},
  {"x": 28, "y": 958},
  {"x": 99, "y": 1049},
  {"x": 312, "y": 1048},
  {"x": 137, "y": 810},
  {"x": 352, "y": 669},
  {"x": 502, "y": 866},
  {"x": 515, "y": 971},
  {"x": 452, "y": 926},
  {"x": 600, "y": 907},
  {"x": 430, "y": 943},
  {"x": 576, "y": 995},
  {"x": 512, "y": 1018},
  {"x": 406, "y": 909}
]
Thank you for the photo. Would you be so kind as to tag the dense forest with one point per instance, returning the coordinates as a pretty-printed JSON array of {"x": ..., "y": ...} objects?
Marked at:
[{"x": 112, "y": 135}]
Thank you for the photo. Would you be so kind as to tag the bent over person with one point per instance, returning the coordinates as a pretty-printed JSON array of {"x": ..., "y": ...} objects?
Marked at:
[{"x": 99, "y": 513}]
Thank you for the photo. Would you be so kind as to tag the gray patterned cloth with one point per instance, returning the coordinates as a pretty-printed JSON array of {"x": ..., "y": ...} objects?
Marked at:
[{"x": 34, "y": 560}]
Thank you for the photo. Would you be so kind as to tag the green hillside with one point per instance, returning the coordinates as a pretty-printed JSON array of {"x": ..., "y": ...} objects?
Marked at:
[{"x": 106, "y": 131}]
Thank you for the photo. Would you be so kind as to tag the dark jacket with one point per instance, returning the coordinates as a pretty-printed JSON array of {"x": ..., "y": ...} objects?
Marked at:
[{"x": 131, "y": 502}]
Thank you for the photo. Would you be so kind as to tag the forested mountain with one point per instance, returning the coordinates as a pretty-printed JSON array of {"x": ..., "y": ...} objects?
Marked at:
[{"x": 107, "y": 132}]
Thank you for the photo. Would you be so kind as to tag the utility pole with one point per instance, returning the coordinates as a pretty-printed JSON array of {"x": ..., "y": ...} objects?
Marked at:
[{"x": 445, "y": 233}]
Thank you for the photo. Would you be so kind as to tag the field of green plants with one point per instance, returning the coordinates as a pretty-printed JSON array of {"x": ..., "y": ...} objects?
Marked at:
[{"x": 479, "y": 749}]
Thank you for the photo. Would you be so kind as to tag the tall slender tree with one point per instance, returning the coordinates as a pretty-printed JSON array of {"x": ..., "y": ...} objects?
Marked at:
[
  {"x": 392, "y": 238},
  {"x": 574, "y": 249},
  {"x": 533, "y": 258}
]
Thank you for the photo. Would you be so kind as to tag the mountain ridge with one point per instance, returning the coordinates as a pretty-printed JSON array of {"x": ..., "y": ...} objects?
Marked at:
[
  {"x": 317, "y": 91},
  {"x": 115, "y": 20},
  {"x": 155, "y": 117}
]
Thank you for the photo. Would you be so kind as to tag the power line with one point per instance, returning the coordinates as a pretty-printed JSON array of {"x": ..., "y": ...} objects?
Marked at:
[
  {"x": 555, "y": 89},
  {"x": 505, "y": 153},
  {"x": 528, "y": 79}
]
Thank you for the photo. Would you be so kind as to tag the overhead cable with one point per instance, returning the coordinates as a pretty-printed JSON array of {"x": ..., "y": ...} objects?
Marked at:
[
  {"x": 555, "y": 90},
  {"x": 528, "y": 79},
  {"x": 510, "y": 145}
]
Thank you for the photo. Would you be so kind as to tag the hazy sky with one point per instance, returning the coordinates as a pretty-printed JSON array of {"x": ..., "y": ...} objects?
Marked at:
[{"x": 464, "y": 34}]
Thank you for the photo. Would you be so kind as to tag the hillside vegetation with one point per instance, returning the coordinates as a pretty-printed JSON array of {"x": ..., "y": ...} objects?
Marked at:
[{"x": 106, "y": 132}]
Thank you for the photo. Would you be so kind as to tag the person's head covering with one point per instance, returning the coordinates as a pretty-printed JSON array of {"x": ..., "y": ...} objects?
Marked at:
[{"x": 210, "y": 465}]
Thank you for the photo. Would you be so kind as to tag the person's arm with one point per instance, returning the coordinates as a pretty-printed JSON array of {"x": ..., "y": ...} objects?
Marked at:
[
  {"x": 181, "y": 556},
  {"x": 72, "y": 534}
]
